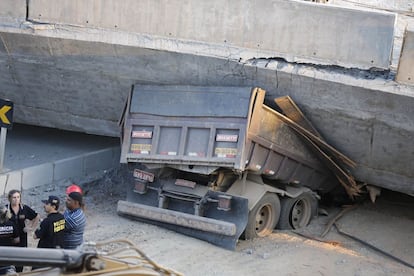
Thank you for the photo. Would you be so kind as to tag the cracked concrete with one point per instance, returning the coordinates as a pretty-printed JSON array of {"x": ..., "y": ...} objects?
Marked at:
[{"x": 76, "y": 77}]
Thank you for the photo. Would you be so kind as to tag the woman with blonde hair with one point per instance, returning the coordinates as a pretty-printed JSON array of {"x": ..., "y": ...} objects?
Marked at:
[{"x": 20, "y": 214}]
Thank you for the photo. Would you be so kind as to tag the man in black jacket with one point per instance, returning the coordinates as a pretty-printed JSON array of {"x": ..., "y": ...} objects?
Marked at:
[{"x": 52, "y": 227}]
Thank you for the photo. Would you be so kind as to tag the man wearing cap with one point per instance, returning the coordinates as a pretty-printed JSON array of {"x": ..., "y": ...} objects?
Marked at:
[
  {"x": 75, "y": 220},
  {"x": 51, "y": 230}
]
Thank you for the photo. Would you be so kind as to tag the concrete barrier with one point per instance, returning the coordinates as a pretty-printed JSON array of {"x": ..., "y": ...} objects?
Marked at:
[
  {"x": 53, "y": 172},
  {"x": 37, "y": 175}
]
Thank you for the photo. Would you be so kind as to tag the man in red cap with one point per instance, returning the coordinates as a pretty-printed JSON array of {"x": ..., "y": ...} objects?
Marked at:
[{"x": 75, "y": 220}]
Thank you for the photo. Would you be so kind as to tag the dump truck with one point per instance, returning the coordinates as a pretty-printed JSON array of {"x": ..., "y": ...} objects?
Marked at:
[{"x": 217, "y": 163}]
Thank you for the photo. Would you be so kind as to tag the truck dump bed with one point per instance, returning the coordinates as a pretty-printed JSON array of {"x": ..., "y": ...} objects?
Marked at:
[
  {"x": 196, "y": 154},
  {"x": 200, "y": 129},
  {"x": 185, "y": 126}
]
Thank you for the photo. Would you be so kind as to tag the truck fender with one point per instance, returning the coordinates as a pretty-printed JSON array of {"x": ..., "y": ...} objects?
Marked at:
[
  {"x": 252, "y": 190},
  {"x": 297, "y": 191},
  {"x": 255, "y": 190}
]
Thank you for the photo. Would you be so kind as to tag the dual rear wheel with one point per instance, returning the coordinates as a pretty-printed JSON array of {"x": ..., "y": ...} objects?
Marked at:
[
  {"x": 297, "y": 212},
  {"x": 287, "y": 213}
]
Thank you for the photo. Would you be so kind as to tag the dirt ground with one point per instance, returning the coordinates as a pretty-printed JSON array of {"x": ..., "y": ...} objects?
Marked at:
[{"x": 388, "y": 225}]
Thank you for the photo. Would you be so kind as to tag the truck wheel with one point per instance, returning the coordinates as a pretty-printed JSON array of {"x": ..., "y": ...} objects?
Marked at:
[
  {"x": 297, "y": 212},
  {"x": 263, "y": 217}
]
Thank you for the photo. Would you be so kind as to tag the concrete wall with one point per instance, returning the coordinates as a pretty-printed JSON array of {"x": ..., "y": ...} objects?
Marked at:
[
  {"x": 405, "y": 73},
  {"x": 295, "y": 30}
]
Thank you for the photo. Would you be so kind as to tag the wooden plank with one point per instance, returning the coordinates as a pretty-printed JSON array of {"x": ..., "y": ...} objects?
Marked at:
[
  {"x": 292, "y": 111},
  {"x": 328, "y": 149},
  {"x": 346, "y": 180}
]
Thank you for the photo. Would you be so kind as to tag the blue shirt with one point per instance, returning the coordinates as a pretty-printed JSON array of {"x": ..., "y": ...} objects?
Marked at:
[{"x": 75, "y": 222}]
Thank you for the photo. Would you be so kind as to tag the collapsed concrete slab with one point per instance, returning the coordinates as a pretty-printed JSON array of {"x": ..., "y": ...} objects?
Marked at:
[
  {"x": 295, "y": 30},
  {"x": 77, "y": 78},
  {"x": 81, "y": 89}
]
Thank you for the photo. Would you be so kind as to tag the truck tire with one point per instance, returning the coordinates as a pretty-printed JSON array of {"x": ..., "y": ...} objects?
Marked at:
[
  {"x": 263, "y": 217},
  {"x": 297, "y": 212}
]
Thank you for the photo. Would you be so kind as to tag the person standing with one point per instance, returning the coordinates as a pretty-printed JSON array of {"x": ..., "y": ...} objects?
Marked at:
[
  {"x": 20, "y": 213},
  {"x": 51, "y": 230},
  {"x": 9, "y": 236},
  {"x": 75, "y": 220}
]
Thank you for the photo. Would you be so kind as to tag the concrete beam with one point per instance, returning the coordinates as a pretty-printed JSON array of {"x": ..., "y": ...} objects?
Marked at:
[
  {"x": 243, "y": 29},
  {"x": 81, "y": 84}
]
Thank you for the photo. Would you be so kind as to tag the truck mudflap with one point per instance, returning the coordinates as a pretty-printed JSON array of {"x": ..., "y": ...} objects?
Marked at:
[{"x": 219, "y": 227}]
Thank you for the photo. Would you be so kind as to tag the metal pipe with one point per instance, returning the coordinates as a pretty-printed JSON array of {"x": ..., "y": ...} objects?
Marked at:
[{"x": 41, "y": 257}]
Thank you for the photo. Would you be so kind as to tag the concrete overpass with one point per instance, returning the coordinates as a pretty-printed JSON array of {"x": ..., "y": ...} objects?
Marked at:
[{"x": 69, "y": 64}]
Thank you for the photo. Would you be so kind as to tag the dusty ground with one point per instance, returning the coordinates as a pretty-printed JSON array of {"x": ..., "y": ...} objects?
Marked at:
[{"x": 389, "y": 225}]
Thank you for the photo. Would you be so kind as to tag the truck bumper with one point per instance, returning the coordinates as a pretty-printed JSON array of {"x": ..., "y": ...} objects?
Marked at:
[
  {"x": 176, "y": 218},
  {"x": 216, "y": 231}
]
